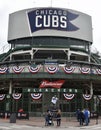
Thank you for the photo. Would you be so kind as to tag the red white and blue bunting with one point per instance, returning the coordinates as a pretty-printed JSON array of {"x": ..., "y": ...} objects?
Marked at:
[
  {"x": 36, "y": 96},
  {"x": 16, "y": 96},
  {"x": 68, "y": 96},
  {"x": 68, "y": 70},
  {"x": 2, "y": 96},
  {"x": 3, "y": 70},
  {"x": 84, "y": 70},
  {"x": 51, "y": 69},
  {"x": 87, "y": 97},
  {"x": 17, "y": 69},
  {"x": 98, "y": 71},
  {"x": 34, "y": 69},
  {"x": 99, "y": 96}
]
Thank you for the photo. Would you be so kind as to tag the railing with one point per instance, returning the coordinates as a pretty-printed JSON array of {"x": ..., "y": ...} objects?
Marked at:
[
  {"x": 46, "y": 61},
  {"x": 5, "y": 48},
  {"x": 52, "y": 68}
]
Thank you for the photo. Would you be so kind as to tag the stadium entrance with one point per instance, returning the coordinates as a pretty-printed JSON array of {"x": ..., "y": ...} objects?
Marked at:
[{"x": 37, "y": 101}]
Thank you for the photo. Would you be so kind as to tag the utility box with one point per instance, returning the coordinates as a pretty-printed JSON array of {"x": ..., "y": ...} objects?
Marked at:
[{"x": 13, "y": 118}]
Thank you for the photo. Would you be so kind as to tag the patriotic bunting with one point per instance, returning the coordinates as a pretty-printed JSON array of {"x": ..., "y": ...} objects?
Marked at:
[
  {"x": 34, "y": 69},
  {"x": 68, "y": 96},
  {"x": 85, "y": 70},
  {"x": 36, "y": 96},
  {"x": 98, "y": 71},
  {"x": 17, "y": 69},
  {"x": 2, "y": 96},
  {"x": 51, "y": 69},
  {"x": 99, "y": 96},
  {"x": 87, "y": 97},
  {"x": 3, "y": 70},
  {"x": 68, "y": 70},
  {"x": 16, "y": 96}
]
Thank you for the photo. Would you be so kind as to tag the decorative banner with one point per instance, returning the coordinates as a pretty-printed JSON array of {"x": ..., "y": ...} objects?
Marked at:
[
  {"x": 68, "y": 96},
  {"x": 52, "y": 18},
  {"x": 55, "y": 84},
  {"x": 2, "y": 96},
  {"x": 3, "y": 70},
  {"x": 51, "y": 69},
  {"x": 98, "y": 71},
  {"x": 99, "y": 96},
  {"x": 34, "y": 69},
  {"x": 87, "y": 96},
  {"x": 68, "y": 69},
  {"x": 85, "y": 70},
  {"x": 36, "y": 96},
  {"x": 17, "y": 69},
  {"x": 16, "y": 96}
]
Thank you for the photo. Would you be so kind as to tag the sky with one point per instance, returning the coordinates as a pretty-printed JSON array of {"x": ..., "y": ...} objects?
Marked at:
[{"x": 90, "y": 7}]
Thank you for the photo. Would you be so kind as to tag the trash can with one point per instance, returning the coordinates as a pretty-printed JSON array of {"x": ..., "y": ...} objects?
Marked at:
[{"x": 13, "y": 118}]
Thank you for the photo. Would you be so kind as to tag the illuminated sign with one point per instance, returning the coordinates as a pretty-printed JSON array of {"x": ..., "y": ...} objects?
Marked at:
[{"x": 52, "y": 18}]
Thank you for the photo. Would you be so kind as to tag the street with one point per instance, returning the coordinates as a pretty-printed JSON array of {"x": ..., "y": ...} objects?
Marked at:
[{"x": 13, "y": 126}]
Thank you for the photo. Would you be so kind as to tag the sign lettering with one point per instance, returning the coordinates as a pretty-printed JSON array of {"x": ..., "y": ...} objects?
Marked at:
[{"x": 48, "y": 18}]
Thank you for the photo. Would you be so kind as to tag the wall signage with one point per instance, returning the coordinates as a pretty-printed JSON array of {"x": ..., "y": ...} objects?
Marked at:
[
  {"x": 52, "y": 18},
  {"x": 40, "y": 90},
  {"x": 55, "y": 84}
]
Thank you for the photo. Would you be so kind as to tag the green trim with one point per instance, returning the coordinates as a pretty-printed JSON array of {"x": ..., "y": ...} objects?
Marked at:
[{"x": 44, "y": 75}]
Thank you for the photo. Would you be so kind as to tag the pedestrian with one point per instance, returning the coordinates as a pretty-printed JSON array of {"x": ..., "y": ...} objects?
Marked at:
[
  {"x": 81, "y": 117},
  {"x": 86, "y": 114},
  {"x": 78, "y": 115},
  {"x": 58, "y": 117},
  {"x": 46, "y": 118}
]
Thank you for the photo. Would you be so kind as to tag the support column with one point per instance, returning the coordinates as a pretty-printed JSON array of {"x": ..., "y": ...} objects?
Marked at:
[
  {"x": 68, "y": 54},
  {"x": 89, "y": 52},
  {"x": 93, "y": 102},
  {"x": 91, "y": 88},
  {"x": 10, "y": 57},
  {"x": 31, "y": 53},
  {"x": 10, "y": 87}
]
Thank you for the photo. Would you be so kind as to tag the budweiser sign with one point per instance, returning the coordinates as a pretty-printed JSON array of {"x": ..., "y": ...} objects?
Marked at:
[{"x": 55, "y": 84}]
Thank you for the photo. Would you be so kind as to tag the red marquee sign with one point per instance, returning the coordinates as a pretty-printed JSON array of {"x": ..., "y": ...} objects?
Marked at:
[{"x": 55, "y": 84}]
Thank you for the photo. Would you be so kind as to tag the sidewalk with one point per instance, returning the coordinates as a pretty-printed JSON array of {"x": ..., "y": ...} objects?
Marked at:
[{"x": 39, "y": 122}]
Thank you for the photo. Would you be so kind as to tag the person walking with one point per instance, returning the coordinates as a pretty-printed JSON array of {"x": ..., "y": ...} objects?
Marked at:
[
  {"x": 46, "y": 118},
  {"x": 86, "y": 114},
  {"x": 58, "y": 117},
  {"x": 78, "y": 115},
  {"x": 81, "y": 117}
]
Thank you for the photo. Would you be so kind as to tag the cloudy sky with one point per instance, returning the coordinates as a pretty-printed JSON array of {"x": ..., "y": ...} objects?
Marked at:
[{"x": 90, "y": 7}]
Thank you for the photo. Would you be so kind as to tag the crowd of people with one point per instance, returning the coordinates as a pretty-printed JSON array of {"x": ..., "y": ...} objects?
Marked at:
[
  {"x": 50, "y": 116},
  {"x": 83, "y": 116}
]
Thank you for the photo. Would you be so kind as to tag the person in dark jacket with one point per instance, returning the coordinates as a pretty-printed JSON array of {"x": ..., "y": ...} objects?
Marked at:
[
  {"x": 81, "y": 117},
  {"x": 48, "y": 118},
  {"x": 58, "y": 117},
  {"x": 78, "y": 114}
]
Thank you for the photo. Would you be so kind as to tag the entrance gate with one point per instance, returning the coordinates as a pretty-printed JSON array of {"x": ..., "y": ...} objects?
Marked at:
[{"x": 67, "y": 102}]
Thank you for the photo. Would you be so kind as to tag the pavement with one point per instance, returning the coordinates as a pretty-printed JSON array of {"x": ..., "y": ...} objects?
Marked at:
[{"x": 40, "y": 122}]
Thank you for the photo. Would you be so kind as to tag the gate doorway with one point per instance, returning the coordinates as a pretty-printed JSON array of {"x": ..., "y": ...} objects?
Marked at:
[{"x": 47, "y": 100}]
